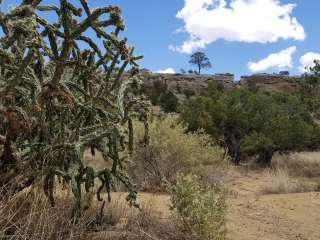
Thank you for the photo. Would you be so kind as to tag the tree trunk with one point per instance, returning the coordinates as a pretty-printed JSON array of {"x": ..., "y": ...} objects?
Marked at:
[
  {"x": 265, "y": 158},
  {"x": 234, "y": 150}
]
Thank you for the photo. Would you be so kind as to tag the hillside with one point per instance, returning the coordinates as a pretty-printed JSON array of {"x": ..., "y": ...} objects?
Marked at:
[{"x": 181, "y": 83}]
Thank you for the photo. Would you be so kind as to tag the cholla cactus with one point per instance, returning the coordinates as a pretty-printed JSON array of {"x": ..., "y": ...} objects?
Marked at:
[{"x": 60, "y": 94}]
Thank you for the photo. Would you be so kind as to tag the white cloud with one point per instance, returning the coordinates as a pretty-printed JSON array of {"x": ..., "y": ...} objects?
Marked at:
[
  {"x": 281, "y": 60},
  {"x": 307, "y": 61},
  {"x": 250, "y": 21},
  {"x": 168, "y": 71}
]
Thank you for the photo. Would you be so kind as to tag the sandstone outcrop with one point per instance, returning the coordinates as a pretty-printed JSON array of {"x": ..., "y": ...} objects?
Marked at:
[
  {"x": 181, "y": 83},
  {"x": 271, "y": 82}
]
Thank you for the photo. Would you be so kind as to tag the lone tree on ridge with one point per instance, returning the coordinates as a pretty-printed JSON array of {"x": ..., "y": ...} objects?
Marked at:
[{"x": 200, "y": 60}]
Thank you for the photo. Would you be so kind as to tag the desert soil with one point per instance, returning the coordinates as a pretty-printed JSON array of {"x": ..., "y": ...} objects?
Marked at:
[{"x": 254, "y": 216}]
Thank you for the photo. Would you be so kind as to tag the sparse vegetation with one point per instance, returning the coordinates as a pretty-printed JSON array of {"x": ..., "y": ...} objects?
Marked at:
[
  {"x": 279, "y": 181},
  {"x": 171, "y": 151},
  {"x": 161, "y": 96},
  {"x": 299, "y": 165},
  {"x": 29, "y": 215},
  {"x": 78, "y": 142},
  {"x": 200, "y": 211}
]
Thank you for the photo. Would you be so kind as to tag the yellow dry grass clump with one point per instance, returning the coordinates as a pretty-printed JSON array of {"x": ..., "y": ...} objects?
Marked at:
[
  {"x": 299, "y": 164},
  {"x": 172, "y": 151},
  {"x": 29, "y": 216},
  {"x": 278, "y": 181}
]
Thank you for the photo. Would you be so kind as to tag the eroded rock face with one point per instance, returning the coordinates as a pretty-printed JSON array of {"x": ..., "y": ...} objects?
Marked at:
[
  {"x": 271, "y": 83},
  {"x": 182, "y": 83}
]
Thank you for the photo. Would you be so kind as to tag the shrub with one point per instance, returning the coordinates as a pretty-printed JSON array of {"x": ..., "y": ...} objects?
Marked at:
[
  {"x": 201, "y": 211},
  {"x": 156, "y": 90},
  {"x": 160, "y": 95},
  {"x": 189, "y": 92},
  {"x": 169, "y": 102},
  {"x": 253, "y": 124},
  {"x": 172, "y": 151}
]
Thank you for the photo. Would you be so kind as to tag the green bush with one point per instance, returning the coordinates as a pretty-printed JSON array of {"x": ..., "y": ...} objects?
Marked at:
[
  {"x": 156, "y": 90},
  {"x": 200, "y": 211},
  {"x": 253, "y": 124},
  {"x": 169, "y": 102},
  {"x": 172, "y": 151},
  {"x": 189, "y": 92},
  {"x": 160, "y": 95}
]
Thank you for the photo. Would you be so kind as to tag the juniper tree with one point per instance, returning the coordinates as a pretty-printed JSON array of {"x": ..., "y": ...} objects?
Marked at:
[
  {"x": 253, "y": 124},
  {"x": 62, "y": 92}
]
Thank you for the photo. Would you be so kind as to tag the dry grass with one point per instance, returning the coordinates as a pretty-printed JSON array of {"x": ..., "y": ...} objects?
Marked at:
[
  {"x": 149, "y": 225},
  {"x": 29, "y": 216},
  {"x": 299, "y": 164},
  {"x": 278, "y": 181},
  {"x": 172, "y": 151}
]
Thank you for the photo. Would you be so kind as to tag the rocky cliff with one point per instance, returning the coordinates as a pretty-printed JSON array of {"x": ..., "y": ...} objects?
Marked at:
[
  {"x": 271, "y": 82},
  {"x": 182, "y": 83}
]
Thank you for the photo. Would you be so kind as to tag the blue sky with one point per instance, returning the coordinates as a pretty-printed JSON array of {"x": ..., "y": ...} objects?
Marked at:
[{"x": 272, "y": 35}]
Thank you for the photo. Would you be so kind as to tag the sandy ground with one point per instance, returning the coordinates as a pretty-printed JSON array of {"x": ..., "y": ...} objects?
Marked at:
[{"x": 253, "y": 216}]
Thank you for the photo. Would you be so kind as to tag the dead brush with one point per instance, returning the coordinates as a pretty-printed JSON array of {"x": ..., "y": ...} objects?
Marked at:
[
  {"x": 299, "y": 165},
  {"x": 29, "y": 215},
  {"x": 279, "y": 181},
  {"x": 148, "y": 225},
  {"x": 172, "y": 151}
]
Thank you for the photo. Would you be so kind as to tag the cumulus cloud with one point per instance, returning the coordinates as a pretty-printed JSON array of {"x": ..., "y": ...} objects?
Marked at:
[
  {"x": 281, "y": 60},
  {"x": 250, "y": 21},
  {"x": 168, "y": 71},
  {"x": 307, "y": 61}
]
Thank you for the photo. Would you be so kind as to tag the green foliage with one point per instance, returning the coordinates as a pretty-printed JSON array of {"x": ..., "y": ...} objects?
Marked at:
[
  {"x": 200, "y": 60},
  {"x": 57, "y": 99},
  {"x": 255, "y": 124},
  {"x": 189, "y": 92},
  {"x": 169, "y": 102},
  {"x": 160, "y": 95},
  {"x": 309, "y": 89},
  {"x": 157, "y": 89},
  {"x": 201, "y": 211}
]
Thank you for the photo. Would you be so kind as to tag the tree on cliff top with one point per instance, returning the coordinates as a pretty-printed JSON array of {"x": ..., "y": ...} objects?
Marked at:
[{"x": 200, "y": 60}]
